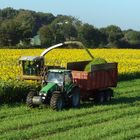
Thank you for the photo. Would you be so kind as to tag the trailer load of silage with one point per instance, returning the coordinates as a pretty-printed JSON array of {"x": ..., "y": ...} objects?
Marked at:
[{"x": 95, "y": 61}]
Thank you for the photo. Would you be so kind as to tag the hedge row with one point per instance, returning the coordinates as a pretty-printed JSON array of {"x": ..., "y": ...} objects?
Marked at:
[{"x": 14, "y": 91}]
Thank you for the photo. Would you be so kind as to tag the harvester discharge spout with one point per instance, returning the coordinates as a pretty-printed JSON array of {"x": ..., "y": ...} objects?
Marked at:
[
  {"x": 79, "y": 44},
  {"x": 51, "y": 48}
]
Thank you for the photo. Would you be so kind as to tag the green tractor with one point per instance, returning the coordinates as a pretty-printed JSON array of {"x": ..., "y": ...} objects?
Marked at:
[{"x": 59, "y": 91}]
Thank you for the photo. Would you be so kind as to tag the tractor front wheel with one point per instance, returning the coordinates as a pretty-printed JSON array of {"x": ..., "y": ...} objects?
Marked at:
[
  {"x": 29, "y": 99},
  {"x": 75, "y": 97},
  {"x": 57, "y": 101}
]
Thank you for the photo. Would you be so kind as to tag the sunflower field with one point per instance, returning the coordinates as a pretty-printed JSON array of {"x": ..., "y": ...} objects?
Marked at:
[{"x": 128, "y": 60}]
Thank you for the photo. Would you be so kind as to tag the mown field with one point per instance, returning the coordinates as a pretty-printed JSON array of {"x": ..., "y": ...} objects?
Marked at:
[{"x": 120, "y": 119}]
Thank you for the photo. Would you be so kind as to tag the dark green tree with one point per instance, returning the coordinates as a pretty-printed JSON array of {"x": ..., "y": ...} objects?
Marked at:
[
  {"x": 9, "y": 33},
  {"x": 26, "y": 22},
  {"x": 114, "y": 34},
  {"x": 44, "y": 19},
  {"x": 8, "y": 13},
  {"x": 132, "y": 37},
  {"x": 65, "y": 28},
  {"x": 69, "y": 31},
  {"x": 46, "y": 35},
  {"x": 89, "y": 35}
]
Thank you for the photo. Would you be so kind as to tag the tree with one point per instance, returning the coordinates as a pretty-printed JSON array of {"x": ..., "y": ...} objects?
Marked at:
[
  {"x": 89, "y": 35},
  {"x": 114, "y": 34},
  {"x": 65, "y": 28},
  {"x": 103, "y": 37},
  {"x": 8, "y": 13},
  {"x": 132, "y": 37},
  {"x": 26, "y": 22},
  {"x": 69, "y": 31},
  {"x": 9, "y": 33},
  {"x": 44, "y": 18},
  {"x": 46, "y": 35}
]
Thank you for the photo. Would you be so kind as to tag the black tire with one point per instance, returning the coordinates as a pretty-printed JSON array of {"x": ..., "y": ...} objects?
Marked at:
[
  {"x": 75, "y": 99},
  {"x": 29, "y": 99},
  {"x": 108, "y": 95},
  {"x": 57, "y": 101},
  {"x": 100, "y": 98}
]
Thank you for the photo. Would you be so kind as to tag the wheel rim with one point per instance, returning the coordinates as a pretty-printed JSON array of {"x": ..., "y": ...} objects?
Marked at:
[
  {"x": 101, "y": 99},
  {"x": 108, "y": 98}
]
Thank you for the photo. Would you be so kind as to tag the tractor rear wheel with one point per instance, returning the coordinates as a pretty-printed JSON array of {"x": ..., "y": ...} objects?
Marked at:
[
  {"x": 29, "y": 99},
  {"x": 75, "y": 100},
  {"x": 57, "y": 101}
]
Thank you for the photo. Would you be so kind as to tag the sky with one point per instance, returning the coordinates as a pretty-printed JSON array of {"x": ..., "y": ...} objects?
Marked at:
[{"x": 100, "y": 13}]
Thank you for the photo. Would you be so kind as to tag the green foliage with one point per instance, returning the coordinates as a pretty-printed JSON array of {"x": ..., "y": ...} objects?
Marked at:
[
  {"x": 64, "y": 28},
  {"x": 46, "y": 35},
  {"x": 89, "y": 35},
  {"x": 8, "y": 13},
  {"x": 95, "y": 61},
  {"x": 114, "y": 33},
  {"x": 9, "y": 33},
  {"x": 18, "y": 26},
  {"x": 26, "y": 21},
  {"x": 133, "y": 37},
  {"x": 69, "y": 31},
  {"x": 14, "y": 91}
]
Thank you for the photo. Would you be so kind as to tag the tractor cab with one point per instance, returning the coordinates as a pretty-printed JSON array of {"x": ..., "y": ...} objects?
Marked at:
[
  {"x": 31, "y": 66},
  {"x": 59, "y": 76}
]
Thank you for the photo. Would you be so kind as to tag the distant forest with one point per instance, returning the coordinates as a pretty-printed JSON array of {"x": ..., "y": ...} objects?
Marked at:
[{"x": 27, "y": 29}]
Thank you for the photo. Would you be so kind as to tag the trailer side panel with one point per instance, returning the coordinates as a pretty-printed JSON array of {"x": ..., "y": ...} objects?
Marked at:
[{"x": 102, "y": 76}]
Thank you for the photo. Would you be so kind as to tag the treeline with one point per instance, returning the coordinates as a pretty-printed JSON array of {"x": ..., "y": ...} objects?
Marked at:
[{"x": 25, "y": 28}]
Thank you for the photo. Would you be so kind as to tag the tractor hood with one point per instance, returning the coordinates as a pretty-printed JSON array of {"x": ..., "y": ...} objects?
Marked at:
[{"x": 50, "y": 87}]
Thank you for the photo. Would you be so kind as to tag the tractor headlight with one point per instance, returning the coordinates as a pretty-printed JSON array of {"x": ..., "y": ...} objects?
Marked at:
[
  {"x": 42, "y": 94},
  {"x": 43, "y": 98}
]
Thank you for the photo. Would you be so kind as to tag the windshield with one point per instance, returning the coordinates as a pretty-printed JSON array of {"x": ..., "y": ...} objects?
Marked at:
[
  {"x": 31, "y": 68},
  {"x": 55, "y": 77}
]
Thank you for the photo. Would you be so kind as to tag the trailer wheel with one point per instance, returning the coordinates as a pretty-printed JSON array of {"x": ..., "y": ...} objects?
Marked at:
[
  {"x": 57, "y": 101},
  {"x": 75, "y": 100},
  {"x": 107, "y": 98},
  {"x": 108, "y": 95},
  {"x": 100, "y": 98},
  {"x": 29, "y": 99}
]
